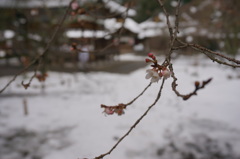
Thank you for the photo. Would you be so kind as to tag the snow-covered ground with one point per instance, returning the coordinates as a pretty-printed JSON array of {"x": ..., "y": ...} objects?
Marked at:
[{"x": 65, "y": 120}]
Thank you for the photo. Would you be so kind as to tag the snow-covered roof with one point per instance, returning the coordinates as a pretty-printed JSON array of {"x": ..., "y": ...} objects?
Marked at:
[
  {"x": 150, "y": 33},
  {"x": 131, "y": 25},
  {"x": 86, "y": 33},
  {"x": 112, "y": 25},
  {"x": 33, "y": 3},
  {"x": 117, "y": 8},
  {"x": 152, "y": 25},
  {"x": 150, "y": 28}
]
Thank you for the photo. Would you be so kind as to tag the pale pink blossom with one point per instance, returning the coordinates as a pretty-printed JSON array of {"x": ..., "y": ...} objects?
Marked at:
[
  {"x": 166, "y": 73},
  {"x": 153, "y": 74},
  {"x": 108, "y": 111}
]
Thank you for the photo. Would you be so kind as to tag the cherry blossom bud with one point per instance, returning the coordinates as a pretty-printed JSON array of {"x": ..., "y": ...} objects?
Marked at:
[
  {"x": 197, "y": 83},
  {"x": 148, "y": 60},
  {"x": 25, "y": 85},
  {"x": 154, "y": 57},
  {"x": 108, "y": 111},
  {"x": 150, "y": 55},
  {"x": 119, "y": 111}
]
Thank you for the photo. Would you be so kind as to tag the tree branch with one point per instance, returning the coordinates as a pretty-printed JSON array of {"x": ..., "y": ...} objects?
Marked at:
[
  {"x": 207, "y": 52},
  {"x": 135, "y": 124}
]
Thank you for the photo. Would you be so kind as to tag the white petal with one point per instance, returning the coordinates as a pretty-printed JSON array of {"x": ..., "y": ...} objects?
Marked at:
[
  {"x": 155, "y": 74},
  {"x": 155, "y": 79},
  {"x": 149, "y": 70},
  {"x": 149, "y": 75}
]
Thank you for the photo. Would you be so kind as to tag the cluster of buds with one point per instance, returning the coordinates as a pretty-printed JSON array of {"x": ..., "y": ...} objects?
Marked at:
[
  {"x": 158, "y": 71},
  {"x": 109, "y": 110},
  {"x": 25, "y": 85},
  {"x": 76, "y": 9},
  {"x": 41, "y": 76}
]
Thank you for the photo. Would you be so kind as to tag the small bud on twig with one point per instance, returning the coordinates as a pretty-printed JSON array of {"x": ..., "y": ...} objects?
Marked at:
[
  {"x": 25, "y": 85},
  {"x": 118, "y": 109},
  {"x": 197, "y": 83},
  {"x": 148, "y": 60}
]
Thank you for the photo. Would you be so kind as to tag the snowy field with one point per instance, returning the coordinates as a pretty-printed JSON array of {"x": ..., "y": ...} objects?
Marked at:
[{"x": 65, "y": 120}]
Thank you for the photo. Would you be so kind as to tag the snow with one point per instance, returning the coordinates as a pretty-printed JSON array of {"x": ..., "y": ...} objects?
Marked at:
[
  {"x": 189, "y": 39},
  {"x": 129, "y": 57},
  {"x": 151, "y": 28},
  {"x": 112, "y": 25},
  {"x": 189, "y": 30},
  {"x": 2, "y": 53},
  {"x": 150, "y": 33},
  {"x": 174, "y": 4},
  {"x": 193, "y": 9},
  {"x": 65, "y": 119},
  {"x": 132, "y": 25},
  {"x": 117, "y": 8},
  {"x": 138, "y": 47},
  {"x": 8, "y": 34},
  {"x": 33, "y": 3},
  {"x": 85, "y": 33},
  {"x": 151, "y": 24}
]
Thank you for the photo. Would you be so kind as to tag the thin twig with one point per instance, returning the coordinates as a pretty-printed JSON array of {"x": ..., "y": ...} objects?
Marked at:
[
  {"x": 119, "y": 109},
  {"x": 139, "y": 94},
  {"x": 207, "y": 52},
  {"x": 173, "y": 35},
  {"x": 198, "y": 86},
  {"x": 33, "y": 76},
  {"x": 219, "y": 61},
  {"x": 176, "y": 31},
  {"x": 135, "y": 124},
  {"x": 167, "y": 18}
]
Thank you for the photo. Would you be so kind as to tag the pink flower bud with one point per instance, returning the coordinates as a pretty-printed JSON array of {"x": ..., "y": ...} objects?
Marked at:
[
  {"x": 150, "y": 55},
  {"x": 148, "y": 60},
  {"x": 154, "y": 57}
]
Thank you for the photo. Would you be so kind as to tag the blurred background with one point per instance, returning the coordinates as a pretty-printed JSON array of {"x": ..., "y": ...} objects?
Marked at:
[
  {"x": 98, "y": 57},
  {"x": 109, "y": 28}
]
